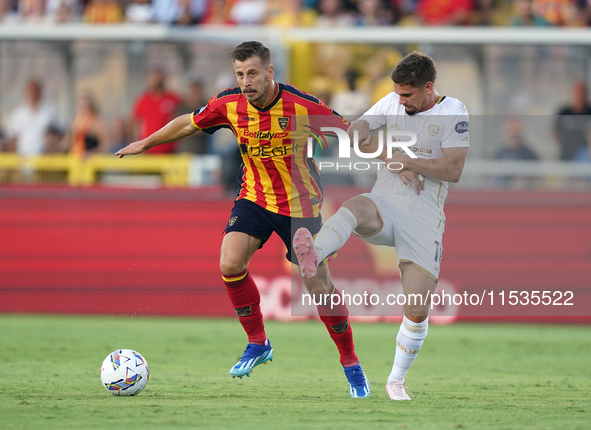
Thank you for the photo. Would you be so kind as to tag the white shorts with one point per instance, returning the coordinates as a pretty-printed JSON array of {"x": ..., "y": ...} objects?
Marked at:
[{"x": 416, "y": 234}]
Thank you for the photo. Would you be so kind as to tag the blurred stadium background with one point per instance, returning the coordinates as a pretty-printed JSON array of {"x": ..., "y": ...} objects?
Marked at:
[{"x": 89, "y": 233}]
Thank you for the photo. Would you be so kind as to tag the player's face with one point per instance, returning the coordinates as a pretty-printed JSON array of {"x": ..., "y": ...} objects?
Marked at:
[
  {"x": 412, "y": 98},
  {"x": 255, "y": 80}
]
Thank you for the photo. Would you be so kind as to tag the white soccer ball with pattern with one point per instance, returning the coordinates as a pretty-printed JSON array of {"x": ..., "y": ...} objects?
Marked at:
[{"x": 125, "y": 372}]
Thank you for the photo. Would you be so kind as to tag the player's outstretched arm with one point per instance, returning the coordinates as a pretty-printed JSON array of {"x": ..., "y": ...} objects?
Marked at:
[
  {"x": 176, "y": 129},
  {"x": 449, "y": 168}
]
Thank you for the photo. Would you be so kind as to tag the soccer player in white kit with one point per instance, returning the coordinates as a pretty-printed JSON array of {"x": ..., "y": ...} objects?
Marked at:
[{"x": 405, "y": 207}]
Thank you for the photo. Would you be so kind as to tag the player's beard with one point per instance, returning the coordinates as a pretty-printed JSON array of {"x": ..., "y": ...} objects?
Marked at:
[
  {"x": 258, "y": 95},
  {"x": 411, "y": 112},
  {"x": 251, "y": 96},
  {"x": 416, "y": 109}
]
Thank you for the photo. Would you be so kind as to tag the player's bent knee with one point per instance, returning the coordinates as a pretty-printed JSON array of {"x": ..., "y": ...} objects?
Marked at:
[
  {"x": 230, "y": 266},
  {"x": 317, "y": 288},
  {"x": 417, "y": 307},
  {"x": 357, "y": 206},
  {"x": 366, "y": 214},
  {"x": 416, "y": 314},
  {"x": 316, "y": 291}
]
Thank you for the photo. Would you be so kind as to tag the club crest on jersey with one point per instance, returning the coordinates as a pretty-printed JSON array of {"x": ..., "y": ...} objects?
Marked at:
[
  {"x": 232, "y": 220},
  {"x": 433, "y": 129},
  {"x": 283, "y": 122}
]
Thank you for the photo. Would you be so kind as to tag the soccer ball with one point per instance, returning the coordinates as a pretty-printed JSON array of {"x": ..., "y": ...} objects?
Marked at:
[{"x": 125, "y": 372}]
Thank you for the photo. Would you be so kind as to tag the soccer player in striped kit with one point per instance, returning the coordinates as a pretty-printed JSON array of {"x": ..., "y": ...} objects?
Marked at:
[{"x": 280, "y": 192}]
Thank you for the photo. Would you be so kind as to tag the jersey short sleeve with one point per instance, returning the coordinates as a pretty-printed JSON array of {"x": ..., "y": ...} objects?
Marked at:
[
  {"x": 212, "y": 116},
  {"x": 376, "y": 116},
  {"x": 456, "y": 133}
]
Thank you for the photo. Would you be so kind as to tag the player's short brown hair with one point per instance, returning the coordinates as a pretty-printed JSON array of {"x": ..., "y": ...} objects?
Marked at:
[
  {"x": 246, "y": 50},
  {"x": 416, "y": 69}
]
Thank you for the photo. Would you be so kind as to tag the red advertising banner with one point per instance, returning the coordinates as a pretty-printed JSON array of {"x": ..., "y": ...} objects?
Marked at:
[{"x": 156, "y": 252}]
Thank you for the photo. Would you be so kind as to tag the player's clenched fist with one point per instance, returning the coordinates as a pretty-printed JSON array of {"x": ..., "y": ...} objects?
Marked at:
[
  {"x": 131, "y": 149},
  {"x": 362, "y": 127}
]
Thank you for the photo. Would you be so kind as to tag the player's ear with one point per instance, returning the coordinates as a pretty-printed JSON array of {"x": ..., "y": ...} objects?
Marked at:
[
  {"x": 271, "y": 71},
  {"x": 429, "y": 87}
]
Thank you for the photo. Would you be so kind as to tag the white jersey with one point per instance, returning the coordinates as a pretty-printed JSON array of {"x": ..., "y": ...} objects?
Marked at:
[
  {"x": 445, "y": 125},
  {"x": 29, "y": 126}
]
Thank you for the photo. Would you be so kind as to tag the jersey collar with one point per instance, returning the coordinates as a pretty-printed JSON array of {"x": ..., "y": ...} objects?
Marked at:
[{"x": 272, "y": 103}]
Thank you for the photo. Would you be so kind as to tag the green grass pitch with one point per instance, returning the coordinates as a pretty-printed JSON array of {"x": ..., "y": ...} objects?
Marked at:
[{"x": 472, "y": 376}]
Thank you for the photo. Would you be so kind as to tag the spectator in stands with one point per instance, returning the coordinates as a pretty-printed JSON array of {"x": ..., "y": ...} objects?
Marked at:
[
  {"x": 248, "y": 12},
  {"x": 351, "y": 101},
  {"x": 524, "y": 15},
  {"x": 515, "y": 147},
  {"x": 217, "y": 12},
  {"x": 103, "y": 12},
  {"x": 63, "y": 10},
  {"x": 191, "y": 11},
  {"x": 289, "y": 13},
  {"x": 583, "y": 154},
  {"x": 180, "y": 12},
  {"x": 406, "y": 9},
  {"x": 483, "y": 13},
  {"x": 333, "y": 14},
  {"x": 88, "y": 133},
  {"x": 165, "y": 11},
  {"x": 194, "y": 100},
  {"x": 373, "y": 13},
  {"x": 31, "y": 10},
  {"x": 572, "y": 122},
  {"x": 29, "y": 122},
  {"x": 575, "y": 14},
  {"x": 53, "y": 140},
  {"x": 553, "y": 11},
  {"x": 153, "y": 109},
  {"x": 445, "y": 12},
  {"x": 8, "y": 10},
  {"x": 139, "y": 11}
]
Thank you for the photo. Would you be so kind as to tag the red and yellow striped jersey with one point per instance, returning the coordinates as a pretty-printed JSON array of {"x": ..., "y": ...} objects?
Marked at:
[{"x": 278, "y": 176}]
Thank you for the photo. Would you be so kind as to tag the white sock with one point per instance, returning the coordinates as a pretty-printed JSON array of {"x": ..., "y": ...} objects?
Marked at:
[
  {"x": 408, "y": 343},
  {"x": 335, "y": 232}
]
